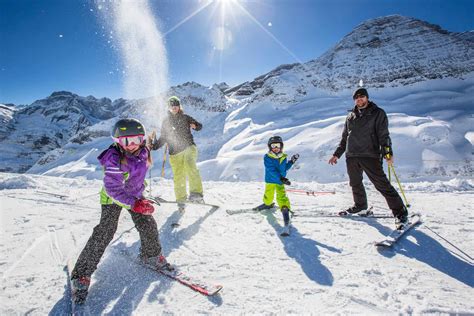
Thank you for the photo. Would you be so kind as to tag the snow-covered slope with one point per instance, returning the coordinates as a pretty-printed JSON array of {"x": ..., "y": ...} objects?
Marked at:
[{"x": 327, "y": 266}]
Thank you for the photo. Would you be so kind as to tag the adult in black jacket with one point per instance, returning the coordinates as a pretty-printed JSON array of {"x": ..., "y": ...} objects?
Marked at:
[
  {"x": 176, "y": 132},
  {"x": 365, "y": 140}
]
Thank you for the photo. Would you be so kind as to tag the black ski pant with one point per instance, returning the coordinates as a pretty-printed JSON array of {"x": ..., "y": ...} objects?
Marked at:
[
  {"x": 104, "y": 232},
  {"x": 374, "y": 170}
]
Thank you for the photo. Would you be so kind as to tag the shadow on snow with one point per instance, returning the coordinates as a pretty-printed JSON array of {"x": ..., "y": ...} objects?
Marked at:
[
  {"x": 121, "y": 280},
  {"x": 305, "y": 252},
  {"x": 429, "y": 251}
]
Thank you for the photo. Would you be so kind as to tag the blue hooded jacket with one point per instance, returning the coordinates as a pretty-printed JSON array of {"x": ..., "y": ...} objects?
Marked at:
[{"x": 276, "y": 167}]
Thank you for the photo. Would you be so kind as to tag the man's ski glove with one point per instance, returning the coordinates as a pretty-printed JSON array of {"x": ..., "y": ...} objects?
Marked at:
[
  {"x": 294, "y": 158},
  {"x": 387, "y": 149},
  {"x": 143, "y": 206},
  {"x": 285, "y": 181}
]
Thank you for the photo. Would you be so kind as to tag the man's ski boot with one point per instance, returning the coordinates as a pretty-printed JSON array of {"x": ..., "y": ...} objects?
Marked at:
[
  {"x": 196, "y": 197},
  {"x": 264, "y": 207},
  {"x": 286, "y": 220},
  {"x": 80, "y": 289},
  {"x": 401, "y": 221},
  {"x": 157, "y": 263},
  {"x": 364, "y": 212}
]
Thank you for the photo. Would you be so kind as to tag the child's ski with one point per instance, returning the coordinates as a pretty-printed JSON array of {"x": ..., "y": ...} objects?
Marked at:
[
  {"x": 205, "y": 289},
  {"x": 396, "y": 234},
  {"x": 192, "y": 283},
  {"x": 249, "y": 210}
]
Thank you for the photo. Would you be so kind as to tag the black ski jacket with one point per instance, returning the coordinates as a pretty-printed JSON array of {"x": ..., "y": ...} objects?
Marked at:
[
  {"x": 365, "y": 133},
  {"x": 176, "y": 132}
]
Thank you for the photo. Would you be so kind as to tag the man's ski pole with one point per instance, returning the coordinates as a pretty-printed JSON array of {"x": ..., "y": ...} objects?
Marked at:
[{"x": 399, "y": 184}]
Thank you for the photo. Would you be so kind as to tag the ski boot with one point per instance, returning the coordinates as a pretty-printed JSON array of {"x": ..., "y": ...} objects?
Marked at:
[
  {"x": 196, "y": 198},
  {"x": 264, "y": 207},
  {"x": 157, "y": 263},
  {"x": 286, "y": 220},
  {"x": 401, "y": 221},
  {"x": 80, "y": 289},
  {"x": 361, "y": 211}
]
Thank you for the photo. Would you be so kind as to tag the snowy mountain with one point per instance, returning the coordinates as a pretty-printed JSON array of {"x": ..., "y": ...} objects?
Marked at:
[
  {"x": 419, "y": 73},
  {"x": 6, "y": 119},
  {"x": 48, "y": 128},
  {"x": 48, "y": 124},
  {"x": 388, "y": 51}
]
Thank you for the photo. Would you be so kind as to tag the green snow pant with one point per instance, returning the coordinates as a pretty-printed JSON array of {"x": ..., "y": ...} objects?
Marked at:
[
  {"x": 184, "y": 166},
  {"x": 281, "y": 197}
]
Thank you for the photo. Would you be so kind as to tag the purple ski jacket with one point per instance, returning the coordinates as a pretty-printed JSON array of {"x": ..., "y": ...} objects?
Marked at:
[{"x": 124, "y": 182}]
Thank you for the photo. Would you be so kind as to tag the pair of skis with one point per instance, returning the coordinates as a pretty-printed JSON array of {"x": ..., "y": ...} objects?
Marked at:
[{"x": 387, "y": 242}]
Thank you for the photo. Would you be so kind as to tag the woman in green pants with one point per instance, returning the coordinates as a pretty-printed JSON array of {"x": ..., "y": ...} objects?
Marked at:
[{"x": 176, "y": 132}]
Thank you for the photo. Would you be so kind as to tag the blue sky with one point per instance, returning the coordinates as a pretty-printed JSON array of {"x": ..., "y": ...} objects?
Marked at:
[{"x": 53, "y": 45}]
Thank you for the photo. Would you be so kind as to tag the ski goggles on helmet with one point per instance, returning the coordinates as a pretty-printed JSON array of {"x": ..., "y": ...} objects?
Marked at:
[
  {"x": 275, "y": 145},
  {"x": 126, "y": 141},
  {"x": 173, "y": 102}
]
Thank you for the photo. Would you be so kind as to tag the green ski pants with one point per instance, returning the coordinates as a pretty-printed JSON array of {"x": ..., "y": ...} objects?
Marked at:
[
  {"x": 281, "y": 197},
  {"x": 184, "y": 166}
]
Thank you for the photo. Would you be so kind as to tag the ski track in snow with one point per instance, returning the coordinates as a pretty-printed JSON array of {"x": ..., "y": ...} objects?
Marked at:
[{"x": 327, "y": 265}]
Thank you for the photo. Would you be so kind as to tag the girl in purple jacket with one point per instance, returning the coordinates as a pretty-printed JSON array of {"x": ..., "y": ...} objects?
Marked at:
[{"x": 125, "y": 165}]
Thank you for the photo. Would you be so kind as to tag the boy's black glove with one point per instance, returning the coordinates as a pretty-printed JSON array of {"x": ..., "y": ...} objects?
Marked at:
[
  {"x": 294, "y": 158},
  {"x": 285, "y": 181}
]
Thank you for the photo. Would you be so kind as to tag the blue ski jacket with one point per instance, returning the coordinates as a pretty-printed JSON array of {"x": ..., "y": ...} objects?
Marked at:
[{"x": 276, "y": 167}]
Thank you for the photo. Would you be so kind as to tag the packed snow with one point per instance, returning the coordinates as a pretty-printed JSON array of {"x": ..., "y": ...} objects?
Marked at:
[{"x": 328, "y": 264}]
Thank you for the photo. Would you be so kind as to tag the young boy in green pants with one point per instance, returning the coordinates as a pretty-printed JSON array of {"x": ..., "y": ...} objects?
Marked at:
[{"x": 276, "y": 166}]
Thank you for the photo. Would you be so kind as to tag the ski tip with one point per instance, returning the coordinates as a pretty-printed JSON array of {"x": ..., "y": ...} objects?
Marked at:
[
  {"x": 216, "y": 291},
  {"x": 383, "y": 245}
]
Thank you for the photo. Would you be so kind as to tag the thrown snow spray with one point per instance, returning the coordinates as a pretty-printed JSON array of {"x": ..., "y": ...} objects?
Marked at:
[{"x": 143, "y": 54}]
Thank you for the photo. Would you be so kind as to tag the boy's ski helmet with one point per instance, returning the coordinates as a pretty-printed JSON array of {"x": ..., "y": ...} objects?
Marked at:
[
  {"x": 128, "y": 127},
  {"x": 275, "y": 139}
]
